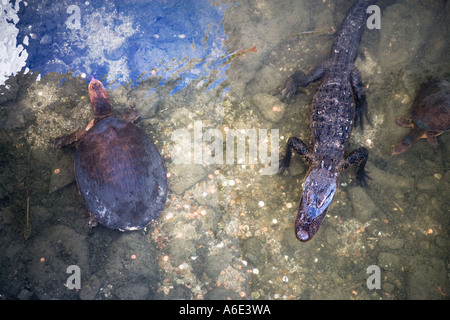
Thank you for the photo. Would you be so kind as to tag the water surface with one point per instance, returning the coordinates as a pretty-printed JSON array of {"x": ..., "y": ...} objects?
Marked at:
[{"x": 227, "y": 230}]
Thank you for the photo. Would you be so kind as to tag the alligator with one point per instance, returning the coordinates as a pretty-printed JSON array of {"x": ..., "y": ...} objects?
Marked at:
[{"x": 338, "y": 104}]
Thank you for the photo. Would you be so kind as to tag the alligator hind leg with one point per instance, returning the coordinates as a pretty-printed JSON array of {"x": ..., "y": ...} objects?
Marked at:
[
  {"x": 360, "y": 97},
  {"x": 360, "y": 157},
  {"x": 300, "y": 79},
  {"x": 300, "y": 147}
]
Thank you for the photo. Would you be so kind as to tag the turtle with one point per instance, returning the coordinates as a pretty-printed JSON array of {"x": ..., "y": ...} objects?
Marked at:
[
  {"x": 430, "y": 115},
  {"x": 118, "y": 169}
]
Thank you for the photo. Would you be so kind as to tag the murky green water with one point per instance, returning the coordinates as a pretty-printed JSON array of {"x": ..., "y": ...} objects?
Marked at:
[{"x": 227, "y": 230}]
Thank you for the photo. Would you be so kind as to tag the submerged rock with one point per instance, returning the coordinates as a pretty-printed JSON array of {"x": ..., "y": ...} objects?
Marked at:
[
  {"x": 363, "y": 206},
  {"x": 53, "y": 250},
  {"x": 62, "y": 173},
  {"x": 392, "y": 243},
  {"x": 133, "y": 291},
  {"x": 25, "y": 295},
  {"x": 389, "y": 261},
  {"x": 427, "y": 279},
  {"x": 184, "y": 176},
  {"x": 270, "y": 107}
]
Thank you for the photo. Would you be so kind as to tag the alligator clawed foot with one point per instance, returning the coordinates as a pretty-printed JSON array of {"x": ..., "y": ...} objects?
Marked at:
[
  {"x": 287, "y": 91},
  {"x": 290, "y": 87},
  {"x": 284, "y": 164}
]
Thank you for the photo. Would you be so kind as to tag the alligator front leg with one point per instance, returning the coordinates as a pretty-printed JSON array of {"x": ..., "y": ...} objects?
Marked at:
[
  {"x": 358, "y": 156},
  {"x": 300, "y": 147},
  {"x": 300, "y": 79}
]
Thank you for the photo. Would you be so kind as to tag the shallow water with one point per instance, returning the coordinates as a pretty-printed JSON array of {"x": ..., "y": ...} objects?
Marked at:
[{"x": 228, "y": 229}]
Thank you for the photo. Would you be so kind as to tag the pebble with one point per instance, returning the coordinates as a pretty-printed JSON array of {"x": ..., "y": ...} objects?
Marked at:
[
  {"x": 363, "y": 206},
  {"x": 428, "y": 183},
  {"x": 331, "y": 235},
  {"x": 132, "y": 291},
  {"x": 15, "y": 119},
  {"x": 270, "y": 107},
  {"x": 25, "y": 295},
  {"x": 297, "y": 167},
  {"x": 388, "y": 260},
  {"x": 62, "y": 173},
  {"x": 388, "y": 287},
  {"x": 220, "y": 293},
  {"x": 392, "y": 243},
  {"x": 184, "y": 176},
  {"x": 427, "y": 278}
]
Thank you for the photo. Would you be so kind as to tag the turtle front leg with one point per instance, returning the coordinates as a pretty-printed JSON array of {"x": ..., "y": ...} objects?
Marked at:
[
  {"x": 360, "y": 157},
  {"x": 68, "y": 139},
  {"x": 431, "y": 138},
  {"x": 73, "y": 137}
]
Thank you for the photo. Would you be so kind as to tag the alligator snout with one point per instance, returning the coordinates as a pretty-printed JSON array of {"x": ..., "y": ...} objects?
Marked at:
[{"x": 304, "y": 230}]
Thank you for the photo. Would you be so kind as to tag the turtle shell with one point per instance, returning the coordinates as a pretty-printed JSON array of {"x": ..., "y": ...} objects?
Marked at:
[
  {"x": 120, "y": 175},
  {"x": 431, "y": 108}
]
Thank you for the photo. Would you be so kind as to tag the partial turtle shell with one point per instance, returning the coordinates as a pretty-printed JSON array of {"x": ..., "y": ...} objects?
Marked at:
[{"x": 431, "y": 108}]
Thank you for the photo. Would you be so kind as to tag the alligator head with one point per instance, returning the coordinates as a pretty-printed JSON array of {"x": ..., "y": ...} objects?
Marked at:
[{"x": 318, "y": 191}]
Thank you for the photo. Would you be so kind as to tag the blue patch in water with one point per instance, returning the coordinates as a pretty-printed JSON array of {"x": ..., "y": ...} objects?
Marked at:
[{"x": 180, "y": 41}]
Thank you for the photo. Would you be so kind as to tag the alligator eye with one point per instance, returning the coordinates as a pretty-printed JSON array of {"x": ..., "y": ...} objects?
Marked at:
[{"x": 323, "y": 201}]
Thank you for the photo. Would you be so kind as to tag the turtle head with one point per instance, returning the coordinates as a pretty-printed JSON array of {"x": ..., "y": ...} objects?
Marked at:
[
  {"x": 99, "y": 99},
  {"x": 403, "y": 145},
  {"x": 318, "y": 192}
]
